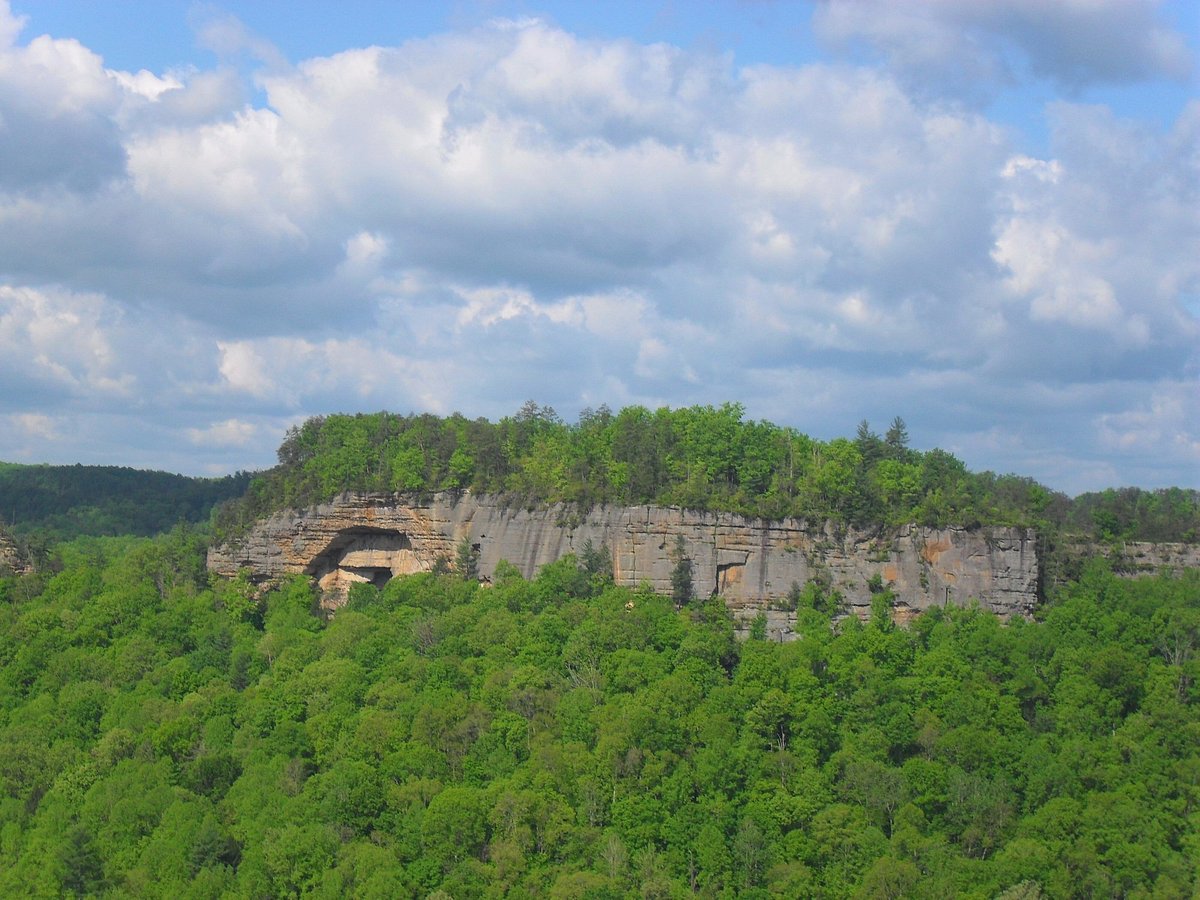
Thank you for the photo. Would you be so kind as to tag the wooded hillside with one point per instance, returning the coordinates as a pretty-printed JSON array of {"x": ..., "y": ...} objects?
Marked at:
[
  {"x": 161, "y": 736},
  {"x": 44, "y": 504}
]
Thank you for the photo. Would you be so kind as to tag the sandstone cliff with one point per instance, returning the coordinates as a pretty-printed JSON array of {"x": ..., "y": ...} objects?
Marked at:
[
  {"x": 11, "y": 560},
  {"x": 750, "y": 563}
]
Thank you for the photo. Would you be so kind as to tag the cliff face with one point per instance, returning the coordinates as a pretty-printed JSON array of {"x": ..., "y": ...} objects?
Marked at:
[
  {"x": 1142, "y": 557},
  {"x": 11, "y": 560},
  {"x": 750, "y": 563}
]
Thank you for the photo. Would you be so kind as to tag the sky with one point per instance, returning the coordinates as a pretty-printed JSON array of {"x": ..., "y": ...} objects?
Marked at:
[{"x": 982, "y": 216}]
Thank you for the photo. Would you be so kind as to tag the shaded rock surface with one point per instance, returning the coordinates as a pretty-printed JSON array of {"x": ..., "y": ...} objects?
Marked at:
[
  {"x": 11, "y": 560},
  {"x": 750, "y": 563},
  {"x": 1144, "y": 557}
]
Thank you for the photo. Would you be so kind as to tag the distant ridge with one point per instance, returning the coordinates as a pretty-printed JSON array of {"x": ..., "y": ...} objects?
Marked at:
[{"x": 62, "y": 502}]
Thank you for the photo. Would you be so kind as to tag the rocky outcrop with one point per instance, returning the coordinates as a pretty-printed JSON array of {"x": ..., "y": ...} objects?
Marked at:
[
  {"x": 1132, "y": 558},
  {"x": 751, "y": 563},
  {"x": 355, "y": 538},
  {"x": 11, "y": 559}
]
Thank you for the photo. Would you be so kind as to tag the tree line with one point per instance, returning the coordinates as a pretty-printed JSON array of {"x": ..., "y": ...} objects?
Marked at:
[
  {"x": 698, "y": 457},
  {"x": 42, "y": 504}
]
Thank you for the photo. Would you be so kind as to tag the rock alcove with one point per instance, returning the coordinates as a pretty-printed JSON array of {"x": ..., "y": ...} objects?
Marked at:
[{"x": 363, "y": 554}]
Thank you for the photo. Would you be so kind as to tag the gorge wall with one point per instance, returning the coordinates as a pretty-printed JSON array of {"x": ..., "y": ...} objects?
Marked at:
[{"x": 750, "y": 563}]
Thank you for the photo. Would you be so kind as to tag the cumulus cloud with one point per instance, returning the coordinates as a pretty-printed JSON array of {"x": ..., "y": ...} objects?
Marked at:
[
  {"x": 228, "y": 37},
  {"x": 10, "y": 25},
  {"x": 60, "y": 341},
  {"x": 56, "y": 105},
  {"x": 146, "y": 84},
  {"x": 1163, "y": 427},
  {"x": 966, "y": 48},
  {"x": 36, "y": 425},
  {"x": 474, "y": 218},
  {"x": 227, "y": 433},
  {"x": 1098, "y": 240}
]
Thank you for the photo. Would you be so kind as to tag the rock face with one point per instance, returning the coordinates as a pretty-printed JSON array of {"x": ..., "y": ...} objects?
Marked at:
[
  {"x": 750, "y": 563},
  {"x": 1133, "y": 558},
  {"x": 11, "y": 560}
]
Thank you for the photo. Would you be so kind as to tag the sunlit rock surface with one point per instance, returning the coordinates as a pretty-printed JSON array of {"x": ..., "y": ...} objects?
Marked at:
[{"x": 750, "y": 563}]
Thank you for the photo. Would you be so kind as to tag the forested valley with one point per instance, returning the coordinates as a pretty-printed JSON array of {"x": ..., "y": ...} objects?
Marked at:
[{"x": 167, "y": 733}]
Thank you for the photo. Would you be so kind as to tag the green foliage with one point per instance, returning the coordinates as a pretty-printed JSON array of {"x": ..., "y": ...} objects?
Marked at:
[
  {"x": 597, "y": 562},
  {"x": 47, "y": 504},
  {"x": 1172, "y": 514},
  {"x": 700, "y": 457},
  {"x": 758, "y": 627},
  {"x": 565, "y": 737},
  {"x": 466, "y": 560}
]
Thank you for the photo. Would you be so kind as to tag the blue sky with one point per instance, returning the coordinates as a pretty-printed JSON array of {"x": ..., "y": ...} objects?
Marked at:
[{"x": 981, "y": 215}]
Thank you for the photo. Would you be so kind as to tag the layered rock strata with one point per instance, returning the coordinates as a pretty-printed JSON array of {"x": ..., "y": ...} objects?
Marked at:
[{"x": 750, "y": 563}]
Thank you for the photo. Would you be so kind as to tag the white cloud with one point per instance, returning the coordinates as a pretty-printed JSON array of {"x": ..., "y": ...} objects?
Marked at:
[
  {"x": 244, "y": 370},
  {"x": 474, "y": 218},
  {"x": 1167, "y": 424},
  {"x": 365, "y": 251},
  {"x": 967, "y": 48},
  {"x": 1100, "y": 238},
  {"x": 228, "y": 37},
  {"x": 1055, "y": 270},
  {"x": 289, "y": 372},
  {"x": 145, "y": 84},
  {"x": 228, "y": 433},
  {"x": 658, "y": 362},
  {"x": 242, "y": 171},
  {"x": 10, "y": 25},
  {"x": 56, "y": 103},
  {"x": 36, "y": 425},
  {"x": 62, "y": 340}
]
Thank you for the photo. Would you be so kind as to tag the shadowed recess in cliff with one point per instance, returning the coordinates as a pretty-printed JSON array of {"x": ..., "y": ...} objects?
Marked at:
[{"x": 364, "y": 553}]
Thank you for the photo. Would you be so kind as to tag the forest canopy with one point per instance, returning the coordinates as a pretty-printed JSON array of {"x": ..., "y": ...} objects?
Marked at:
[
  {"x": 698, "y": 457},
  {"x": 44, "y": 504},
  {"x": 161, "y": 735}
]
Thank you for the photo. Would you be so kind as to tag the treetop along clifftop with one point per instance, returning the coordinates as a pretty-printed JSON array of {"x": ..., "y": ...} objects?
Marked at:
[{"x": 698, "y": 457}]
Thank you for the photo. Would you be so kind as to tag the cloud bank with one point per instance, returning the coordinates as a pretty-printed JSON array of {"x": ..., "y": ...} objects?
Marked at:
[{"x": 189, "y": 263}]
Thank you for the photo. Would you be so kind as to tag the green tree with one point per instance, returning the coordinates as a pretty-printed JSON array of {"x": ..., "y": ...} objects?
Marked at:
[
  {"x": 896, "y": 439},
  {"x": 466, "y": 560},
  {"x": 454, "y": 826}
]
